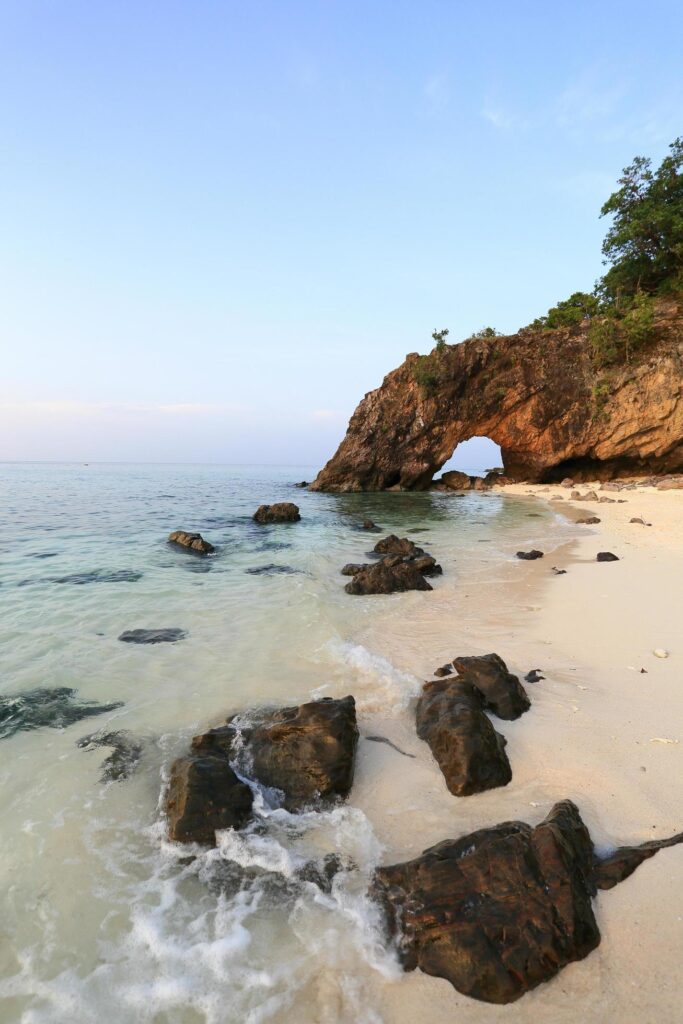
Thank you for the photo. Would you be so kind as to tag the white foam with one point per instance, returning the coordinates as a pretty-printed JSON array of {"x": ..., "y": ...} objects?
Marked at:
[{"x": 376, "y": 684}]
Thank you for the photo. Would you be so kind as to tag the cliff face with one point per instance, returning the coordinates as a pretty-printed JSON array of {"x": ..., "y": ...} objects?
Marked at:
[{"x": 537, "y": 395}]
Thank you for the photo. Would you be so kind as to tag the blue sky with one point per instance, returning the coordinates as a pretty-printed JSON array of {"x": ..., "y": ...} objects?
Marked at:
[{"x": 222, "y": 223}]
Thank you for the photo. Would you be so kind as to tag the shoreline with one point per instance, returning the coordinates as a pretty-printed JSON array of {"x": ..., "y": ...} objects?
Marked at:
[{"x": 594, "y": 734}]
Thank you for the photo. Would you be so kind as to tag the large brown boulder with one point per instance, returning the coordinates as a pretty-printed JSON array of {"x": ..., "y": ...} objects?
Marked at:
[
  {"x": 501, "y": 692},
  {"x": 205, "y": 794},
  {"x": 307, "y": 751},
  {"x": 503, "y": 909},
  {"x": 194, "y": 541},
  {"x": 454, "y": 480},
  {"x": 469, "y": 751},
  {"x": 280, "y": 512},
  {"x": 383, "y": 578}
]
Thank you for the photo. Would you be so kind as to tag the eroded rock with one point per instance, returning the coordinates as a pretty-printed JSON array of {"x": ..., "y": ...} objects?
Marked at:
[
  {"x": 307, "y": 751},
  {"x": 193, "y": 541},
  {"x": 393, "y": 545},
  {"x": 382, "y": 578},
  {"x": 501, "y": 691},
  {"x": 205, "y": 794},
  {"x": 469, "y": 751},
  {"x": 503, "y": 909},
  {"x": 280, "y": 512}
]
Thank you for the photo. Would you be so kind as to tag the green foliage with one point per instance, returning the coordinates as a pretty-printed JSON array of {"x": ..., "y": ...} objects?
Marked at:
[
  {"x": 487, "y": 332},
  {"x": 440, "y": 338},
  {"x": 601, "y": 394},
  {"x": 645, "y": 241},
  {"x": 570, "y": 312},
  {"x": 618, "y": 333},
  {"x": 426, "y": 374}
]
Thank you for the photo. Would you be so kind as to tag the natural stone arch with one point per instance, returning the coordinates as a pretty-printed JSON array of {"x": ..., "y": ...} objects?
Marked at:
[{"x": 537, "y": 394}]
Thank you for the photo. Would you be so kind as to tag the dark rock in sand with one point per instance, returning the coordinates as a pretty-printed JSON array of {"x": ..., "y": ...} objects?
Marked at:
[
  {"x": 99, "y": 576},
  {"x": 280, "y": 512},
  {"x": 306, "y": 751},
  {"x": 205, "y": 794},
  {"x": 393, "y": 545},
  {"x": 500, "y": 691},
  {"x": 194, "y": 541},
  {"x": 503, "y": 909},
  {"x": 534, "y": 676},
  {"x": 641, "y": 522},
  {"x": 387, "y": 579},
  {"x": 124, "y": 758},
  {"x": 588, "y": 520},
  {"x": 606, "y": 556},
  {"x": 559, "y": 572},
  {"x": 444, "y": 670},
  {"x": 47, "y": 708},
  {"x": 529, "y": 556},
  {"x": 469, "y": 751},
  {"x": 153, "y": 636}
]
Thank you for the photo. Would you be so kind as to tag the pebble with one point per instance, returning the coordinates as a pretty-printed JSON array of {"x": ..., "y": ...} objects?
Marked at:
[{"x": 659, "y": 652}]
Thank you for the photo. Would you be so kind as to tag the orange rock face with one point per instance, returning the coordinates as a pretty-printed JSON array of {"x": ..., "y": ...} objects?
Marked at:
[{"x": 537, "y": 394}]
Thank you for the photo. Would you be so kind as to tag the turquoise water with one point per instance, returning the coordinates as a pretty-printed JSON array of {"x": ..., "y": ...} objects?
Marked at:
[{"x": 102, "y": 917}]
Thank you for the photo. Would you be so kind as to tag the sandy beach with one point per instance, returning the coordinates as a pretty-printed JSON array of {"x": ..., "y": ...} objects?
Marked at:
[{"x": 600, "y": 731}]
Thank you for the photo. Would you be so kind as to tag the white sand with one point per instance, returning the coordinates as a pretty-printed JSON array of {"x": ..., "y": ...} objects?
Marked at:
[{"x": 594, "y": 734}]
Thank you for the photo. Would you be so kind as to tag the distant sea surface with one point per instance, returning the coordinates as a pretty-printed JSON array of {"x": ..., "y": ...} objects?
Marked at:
[{"x": 102, "y": 918}]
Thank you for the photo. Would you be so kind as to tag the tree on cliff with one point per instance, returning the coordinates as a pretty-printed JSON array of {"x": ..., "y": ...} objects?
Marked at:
[{"x": 645, "y": 241}]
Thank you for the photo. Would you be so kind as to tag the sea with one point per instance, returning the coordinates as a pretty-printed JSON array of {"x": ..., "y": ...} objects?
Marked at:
[{"x": 103, "y": 919}]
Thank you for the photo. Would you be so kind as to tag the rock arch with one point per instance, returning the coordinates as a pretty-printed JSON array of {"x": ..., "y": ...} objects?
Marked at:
[{"x": 537, "y": 394}]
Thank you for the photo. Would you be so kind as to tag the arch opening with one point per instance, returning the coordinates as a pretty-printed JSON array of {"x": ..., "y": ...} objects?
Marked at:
[{"x": 477, "y": 456}]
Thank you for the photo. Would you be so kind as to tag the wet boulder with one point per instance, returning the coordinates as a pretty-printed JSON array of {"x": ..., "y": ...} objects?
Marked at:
[
  {"x": 500, "y": 691},
  {"x": 393, "y": 545},
  {"x": 530, "y": 556},
  {"x": 454, "y": 480},
  {"x": 588, "y": 520},
  {"x": 427, "y": 565},
  {"x": 469, "y": 751},
  {"x": 382, "y": 578},
  {"x": 280, "y": 512},
  {"x": 353, "y": 568},
  {"x": 204, "y": 794},
  {"x": 193, "y": 541},
  {"x": 606, "y": 556},
  {"x": 501, "y": 910},
  {"x": 307, "y": 751}
]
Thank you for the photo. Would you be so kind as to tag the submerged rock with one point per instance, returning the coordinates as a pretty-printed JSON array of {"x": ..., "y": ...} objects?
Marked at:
[
  {"x": 501, "y": 910},
  {"x": 307, "y": 751},
  {"x": 369, "y": 525},
  {"x": 272, "y": 570},
  {"x": 47, "y": 708},
  {"x": 205, "y": 794},
  {"x": 530, "y": 556},
  {"x": 280, "y": 512},
  {"x": 469, "y": 751},
  {"x": 125, "y": 755},
  {"x": 99, "y": 576},
  {"x": 194, "y": 541},
  {"x": 500, "y": 691},
  {"x": 153, "y": 636},
  {"x": 588, "y": 520},
  {"x": 387, "y": 579}
]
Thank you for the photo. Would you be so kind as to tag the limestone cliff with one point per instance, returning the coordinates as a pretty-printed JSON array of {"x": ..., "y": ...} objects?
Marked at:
[{"x": 537, "y": 394}]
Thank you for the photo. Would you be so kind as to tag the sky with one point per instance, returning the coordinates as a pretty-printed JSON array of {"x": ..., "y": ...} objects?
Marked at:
[{"x": 221, "y": 223}]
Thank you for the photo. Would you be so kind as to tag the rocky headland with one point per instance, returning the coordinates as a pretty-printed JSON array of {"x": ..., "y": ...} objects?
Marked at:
[{"x": 540, "y": 394}]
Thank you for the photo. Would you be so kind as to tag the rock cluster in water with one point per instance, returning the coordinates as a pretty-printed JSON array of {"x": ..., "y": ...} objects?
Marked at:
[
  {"x": 307, "y": 752},
  {"x": 402, "y": 566}
]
